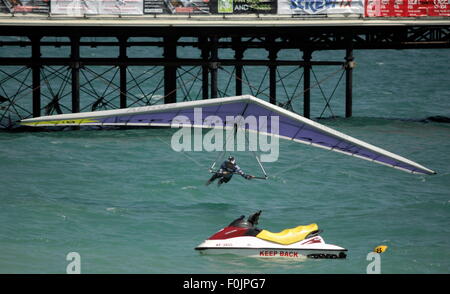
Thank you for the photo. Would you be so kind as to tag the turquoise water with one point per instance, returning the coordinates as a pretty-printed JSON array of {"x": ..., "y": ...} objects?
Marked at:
[{"x": 127, "y": 203}]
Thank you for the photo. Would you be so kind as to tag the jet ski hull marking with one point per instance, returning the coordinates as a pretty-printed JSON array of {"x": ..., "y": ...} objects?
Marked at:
[{"x": 281, "y": 253}]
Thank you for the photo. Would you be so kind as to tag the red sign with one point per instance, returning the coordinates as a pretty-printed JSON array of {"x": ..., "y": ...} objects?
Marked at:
[
  {"x": 440, "y": 8},
  {"x": 406, "y": 8}
]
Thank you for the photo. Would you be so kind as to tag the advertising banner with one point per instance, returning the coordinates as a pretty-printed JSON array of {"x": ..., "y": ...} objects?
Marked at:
[
  {"x": 440, "y": 8},
  {"x": 320, "y": 7},
  {"x": 155, "y": 6},
  {"x": 188, "y": 6},
  {"x": 388, "y": 7},
  {"x": 406, "y": 8},
  {"x": 247, "y": 6},
  {"x": 35, "y": 6},
  {"x": 81, "y": 7}
]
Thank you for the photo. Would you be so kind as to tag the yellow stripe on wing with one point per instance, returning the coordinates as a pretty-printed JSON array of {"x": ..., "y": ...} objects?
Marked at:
[{"x": 60, "y": 122}]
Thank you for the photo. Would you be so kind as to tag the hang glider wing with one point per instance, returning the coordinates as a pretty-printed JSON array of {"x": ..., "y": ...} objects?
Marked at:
[{"x": 291, "y": 126}]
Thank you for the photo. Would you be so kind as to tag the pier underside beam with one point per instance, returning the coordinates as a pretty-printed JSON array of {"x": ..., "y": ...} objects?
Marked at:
[{"x": 137, "y": 61}]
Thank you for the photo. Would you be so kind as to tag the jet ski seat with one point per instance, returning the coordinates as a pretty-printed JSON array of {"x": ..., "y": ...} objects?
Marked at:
[{"x": 288, "y": 236}]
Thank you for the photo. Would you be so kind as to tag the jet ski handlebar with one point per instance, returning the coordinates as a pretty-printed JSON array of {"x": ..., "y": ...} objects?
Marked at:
[
  {"x": 251, "y": 222},
  {"x": 254, "y": 218}
]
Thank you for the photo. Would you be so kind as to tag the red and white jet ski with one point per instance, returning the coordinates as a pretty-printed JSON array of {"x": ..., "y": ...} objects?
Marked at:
[{"x": 242, "y": 237}]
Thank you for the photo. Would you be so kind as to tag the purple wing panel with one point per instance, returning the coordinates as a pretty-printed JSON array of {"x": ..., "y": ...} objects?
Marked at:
[{"x": 295, "y": 129}]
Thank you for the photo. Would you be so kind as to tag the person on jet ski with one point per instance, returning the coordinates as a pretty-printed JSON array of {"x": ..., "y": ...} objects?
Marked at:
[{"x": 226, "y": 171}]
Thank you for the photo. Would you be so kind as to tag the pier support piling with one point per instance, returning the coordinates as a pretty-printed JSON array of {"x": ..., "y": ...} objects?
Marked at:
[
  {"x": 123, "y": 71},
  {"x": 75, "y": 67},
  {"x": 213, "y": 66},
  {"x": 349, "y": 81},
  {"x": 170, "y": 71},
  {"x": 307, "y": 83},
  {"x": 273, "y": 52},
  {"x": 238, "y": 55},
  {"x": 36, "y": 74},
  {"x": 205, "y": 68}
]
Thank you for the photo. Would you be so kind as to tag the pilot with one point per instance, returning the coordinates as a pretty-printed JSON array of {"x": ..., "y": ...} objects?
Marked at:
[{"x": 226, "y": 171}]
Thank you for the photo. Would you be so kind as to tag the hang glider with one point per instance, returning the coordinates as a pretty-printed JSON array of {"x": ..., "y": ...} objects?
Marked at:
[{"x": 291, "y": 126}]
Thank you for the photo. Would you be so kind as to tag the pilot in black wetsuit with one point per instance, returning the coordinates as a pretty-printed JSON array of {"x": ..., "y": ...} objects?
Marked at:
[{"x": 226, "y": 171}]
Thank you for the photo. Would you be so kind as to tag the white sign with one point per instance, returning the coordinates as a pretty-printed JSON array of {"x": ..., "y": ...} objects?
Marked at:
[
  {"x": 82, "y": 7},
  {"x": 320, "y": 6}
]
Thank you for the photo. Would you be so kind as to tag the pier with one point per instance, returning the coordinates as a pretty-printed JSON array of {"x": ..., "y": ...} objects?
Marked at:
[{"x": 66, "y": 83}]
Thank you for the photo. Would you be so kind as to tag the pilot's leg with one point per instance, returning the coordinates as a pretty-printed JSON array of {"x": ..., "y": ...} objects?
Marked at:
[
  {"x": 213, "y": 178},
  {"x": 225, "y": 179}
]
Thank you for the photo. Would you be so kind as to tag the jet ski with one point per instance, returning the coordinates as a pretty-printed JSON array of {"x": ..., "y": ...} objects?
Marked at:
[{"x": 242, "y": 237}]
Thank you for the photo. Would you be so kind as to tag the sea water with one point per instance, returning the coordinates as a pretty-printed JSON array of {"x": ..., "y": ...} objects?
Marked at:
[{"x": 127, "y": 203}]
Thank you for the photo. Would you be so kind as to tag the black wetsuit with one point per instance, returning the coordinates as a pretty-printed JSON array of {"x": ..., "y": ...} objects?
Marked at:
[{"x": 226, "y": 171}]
